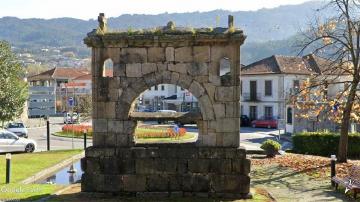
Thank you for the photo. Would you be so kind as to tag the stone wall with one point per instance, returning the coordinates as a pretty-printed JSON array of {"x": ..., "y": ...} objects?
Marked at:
[{"x": 168, "y": 170}]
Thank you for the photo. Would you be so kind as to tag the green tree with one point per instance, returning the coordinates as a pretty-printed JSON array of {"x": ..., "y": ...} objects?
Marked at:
[
  {"x": 13, "y": 88},
  {"x": 84, "y": 106}
]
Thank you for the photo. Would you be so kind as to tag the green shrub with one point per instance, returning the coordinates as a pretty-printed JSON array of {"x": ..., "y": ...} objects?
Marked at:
[
  {"x": 270, "y": 147},
  {"x": 324, "y": 143}
]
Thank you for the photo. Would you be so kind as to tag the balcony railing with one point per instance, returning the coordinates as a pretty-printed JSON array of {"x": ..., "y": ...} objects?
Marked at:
[{"x": 250, "y": 97}]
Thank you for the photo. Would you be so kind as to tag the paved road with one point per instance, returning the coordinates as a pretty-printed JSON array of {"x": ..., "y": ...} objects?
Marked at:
[
  {"x": 250, "y": 138},
  {"x": 56, "y": 143}
]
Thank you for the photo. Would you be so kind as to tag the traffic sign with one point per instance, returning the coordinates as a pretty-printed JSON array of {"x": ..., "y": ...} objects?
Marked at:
[{"x": 71, "y": 101}]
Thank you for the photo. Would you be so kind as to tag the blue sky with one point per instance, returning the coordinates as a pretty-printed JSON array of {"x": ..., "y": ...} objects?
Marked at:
[{"x": 85, "y": 9}]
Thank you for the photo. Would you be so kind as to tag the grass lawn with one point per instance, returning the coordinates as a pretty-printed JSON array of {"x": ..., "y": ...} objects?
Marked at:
[{"x": 25, "y": 165}]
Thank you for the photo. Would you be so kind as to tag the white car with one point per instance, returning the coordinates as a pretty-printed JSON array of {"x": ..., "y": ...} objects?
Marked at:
[
  {"x": 18, "y": 128},
  {"x": 9, "y": 142},
  {"x": 69, "y": 119}
]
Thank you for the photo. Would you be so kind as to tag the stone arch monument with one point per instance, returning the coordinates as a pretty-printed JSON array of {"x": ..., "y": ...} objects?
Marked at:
[{"x": 215, "y": 165}]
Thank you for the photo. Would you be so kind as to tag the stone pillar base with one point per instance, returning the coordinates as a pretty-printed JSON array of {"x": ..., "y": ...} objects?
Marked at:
[{"x": 168, "y": 171}]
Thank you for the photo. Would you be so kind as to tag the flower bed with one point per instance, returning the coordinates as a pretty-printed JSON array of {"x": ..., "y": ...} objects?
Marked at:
[
  {"x": 153, "y": 132},
  {"x": 78, "y": 129}
]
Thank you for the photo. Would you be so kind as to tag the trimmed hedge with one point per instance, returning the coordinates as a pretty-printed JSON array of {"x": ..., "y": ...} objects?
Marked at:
[{"x": 324, "y": 143}]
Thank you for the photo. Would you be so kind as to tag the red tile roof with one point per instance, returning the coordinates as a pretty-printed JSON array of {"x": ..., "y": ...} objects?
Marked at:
[{"x": 59, "y": 73}]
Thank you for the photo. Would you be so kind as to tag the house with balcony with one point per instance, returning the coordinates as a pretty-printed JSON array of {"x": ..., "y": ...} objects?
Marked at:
[{"x": 268, "y": 85}]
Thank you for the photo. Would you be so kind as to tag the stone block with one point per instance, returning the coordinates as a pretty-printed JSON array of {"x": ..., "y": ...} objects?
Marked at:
[
  {"x": 201, "y": 53},
  {"x": 110, "y": 165},
  {"x": 224, "y": 94},
  {"x": 182, "y": 166},
  {"x": 231, "y": 139},
  {"x": 129, "y": 127},
  {"x": 113, "y": 183},
  {"x": 196, "y": 89},
  {"x": 215, "y": 79},
  {"x": 198, "y": 165},
  {"x": 134, "y": 183},
  {"x": 206, "y": 108},
  {"x": 178, "y": 67},
  {"x": 227, "y": 125},
  {"x": 187, "y": 182},
  {"x": 166, "y": 76},
  {"x": 210, "y": 89},
  {"x": 219, "y": 139},
  {"x": 220, "y": 166},
  {"x": 156, "y": 54},
  {"x": 202, "y": 79},
  {"x": 133, "y": 70},
  {"x": 133, "y": 55},
  {"x": 161, "y": 67},
  {"x": 218, "y": 53},
  {"x": 121, "y": 110},
  {"x": 150, "y": 80},
  {"x": 232, "y": 109},
  {"x": 174, "y": 78},
  {"x": 170, "y": 54},
  {"x": 198, "y": 69},
  {"x": 92, "y": 165},
  {"x": 209, "y": 140},
  {"x": 100, "y": 125},
  {"x": 122, "y": 139},
  {"x": 183, "y": 54},
  {"x": 241, "y": 166},
  {"x": 175, "y": 182},
  {"x": 157, "y": 183},
  {"x": 219, "y": 110},
  {"x": 231, "y": 183},
  {"x": 126, "y": 166},
  {"x": 147, "y": 68},
  {"x": 145, "y": 166},
  {"x": 115, "y": 126},
  {"x": 185, "y": 81},
  {"x": 200, "y": 183},
  {"x": 110, "y": 110},
  {"x": 128, "y": 96},
  {"x": 119, "y": 69},
  {"x": 110, "y": 139}
]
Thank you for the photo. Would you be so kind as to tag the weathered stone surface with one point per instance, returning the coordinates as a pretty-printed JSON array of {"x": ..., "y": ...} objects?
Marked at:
[
  {"x": 209, "y": 140},
  {"x": 219, "y": 110},
  {"x": 134, "y": 183},
  {"x": 147, "y": 68},
  {"x": 196, "y": 89},
  {"x": 133, "y": 70},
  {"x": 185, "y": 81},
  {"x": 100, "y": 125},
  {"x": 174, "y": 78},
  {"x": 170, "y": 54},
  {"x": 156, "y": 54},
  {"x": 119, "y": 69},
  {"x": 198, "y": 69},
  {"x": 161, "y": 67},
  {"x": 115, "y": 126},
  {"x": 206, "y": 108},
  {"x": 225, "y": 94},
  {"x": 201, "y": 53},
  {"x": 178, "y": 67},
  {"x": 183, "y": 54},
  {"x": 133, "y": 55}
]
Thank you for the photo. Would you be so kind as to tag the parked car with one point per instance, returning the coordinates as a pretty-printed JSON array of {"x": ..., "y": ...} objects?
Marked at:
[
  {"x": 264, "y": 123},
  {"x": 165, "y": 111},
  {"x": 9, "y": 142},
  {"x": 71, "y": 119},
  {"x": 244, "y": 120},
  {"x": 18, "y": 128}
]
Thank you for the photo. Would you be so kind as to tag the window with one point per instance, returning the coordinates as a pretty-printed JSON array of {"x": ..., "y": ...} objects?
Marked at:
[
  {"x": 289, "y": 115},
  {"x": 268, "y": 112},
  {"x": 155, "y": 87},
  {"x": 241, "y": 110},
  {"x": 108, "y": 68},
  {"x": 253, "y": 113},
  {"x": 268, "y": 88},
  {"x": 162, "y": 87}
]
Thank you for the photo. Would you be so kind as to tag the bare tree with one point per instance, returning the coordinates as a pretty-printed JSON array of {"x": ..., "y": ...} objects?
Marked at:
[{"x": 337, "y": 40}]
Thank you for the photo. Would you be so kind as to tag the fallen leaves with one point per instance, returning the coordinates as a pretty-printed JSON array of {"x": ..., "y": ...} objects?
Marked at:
[{"x": 316, "y": 166}]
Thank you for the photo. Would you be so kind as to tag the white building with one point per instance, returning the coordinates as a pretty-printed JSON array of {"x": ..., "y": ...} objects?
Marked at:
[
  {"x": 268, "y": 84},
  {"x": 167, "y": 96}
]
